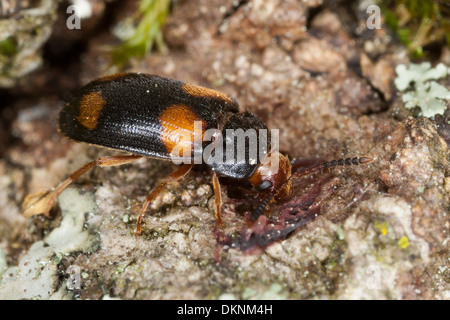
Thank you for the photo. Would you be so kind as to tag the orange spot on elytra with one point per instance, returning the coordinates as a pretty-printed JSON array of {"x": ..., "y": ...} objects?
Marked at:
[
  {"x": 90, "y": 108},
  {"x": 178, "y": 127},
  {"x": 198, "y": 91}
]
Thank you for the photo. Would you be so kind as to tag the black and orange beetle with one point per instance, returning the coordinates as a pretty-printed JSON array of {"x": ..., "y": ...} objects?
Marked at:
[{"x": 148, "y": 116}]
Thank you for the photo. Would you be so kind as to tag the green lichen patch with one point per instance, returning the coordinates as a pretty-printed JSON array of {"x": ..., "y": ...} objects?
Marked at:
[
  {"x": 421, "y": 90},
  {"x": 3, "y": 264},
  {"x": 36, "y": 275},
  {"x": 71, "y": 236}
]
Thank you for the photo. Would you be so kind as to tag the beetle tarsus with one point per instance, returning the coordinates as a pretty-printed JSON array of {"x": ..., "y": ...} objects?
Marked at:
[{"x": 42, "y": 202}]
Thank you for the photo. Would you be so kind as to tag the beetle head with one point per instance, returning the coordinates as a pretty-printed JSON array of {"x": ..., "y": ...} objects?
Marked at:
[{"x": 273, "y": 179}]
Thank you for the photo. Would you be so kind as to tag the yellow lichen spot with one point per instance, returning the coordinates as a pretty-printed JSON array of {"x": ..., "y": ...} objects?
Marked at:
[
  {"x": 381, "y": 227},
  {"x": 403, "y": 242},
  {"x": 91, "y": 106},
  {"x": 198, "y": 91}
]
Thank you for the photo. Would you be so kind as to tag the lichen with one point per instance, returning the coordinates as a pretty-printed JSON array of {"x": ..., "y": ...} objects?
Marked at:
[
  {"x": 3, "y": 264},
  {"x": 21, "y": 38},
  {"x": 403, "y": 242},
  {"x": 429, "y": 95},
  {"x": 36, "y": 275}
]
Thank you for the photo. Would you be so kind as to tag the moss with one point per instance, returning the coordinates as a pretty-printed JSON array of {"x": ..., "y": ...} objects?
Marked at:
[
  {"x": 8, "y": 47},
  {"x": 147, "y": 35},
  {"x": 418, "y": 23}
]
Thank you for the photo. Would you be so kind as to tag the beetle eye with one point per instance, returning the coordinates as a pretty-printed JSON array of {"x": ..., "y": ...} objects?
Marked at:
[{"x": 266, "y": 184}]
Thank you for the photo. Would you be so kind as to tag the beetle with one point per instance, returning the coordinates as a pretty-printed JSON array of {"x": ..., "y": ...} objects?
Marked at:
[{"x": 149, "y": 116}]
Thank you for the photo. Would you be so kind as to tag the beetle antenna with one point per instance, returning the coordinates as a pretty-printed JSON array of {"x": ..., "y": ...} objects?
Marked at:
[
  {"x": 318, "y": 167},
  {"x": 332, "y": 164}
]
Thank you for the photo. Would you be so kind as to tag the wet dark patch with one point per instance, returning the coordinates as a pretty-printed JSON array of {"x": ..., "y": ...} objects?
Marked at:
[{"x": 292, "y": 215}]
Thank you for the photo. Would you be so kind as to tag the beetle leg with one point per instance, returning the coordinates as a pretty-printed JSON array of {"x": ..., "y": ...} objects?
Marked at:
[
  {"x": 174, "y": 176},
  {"x": 42, "y": 202},
  {"x": 218, "y": 197}
]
